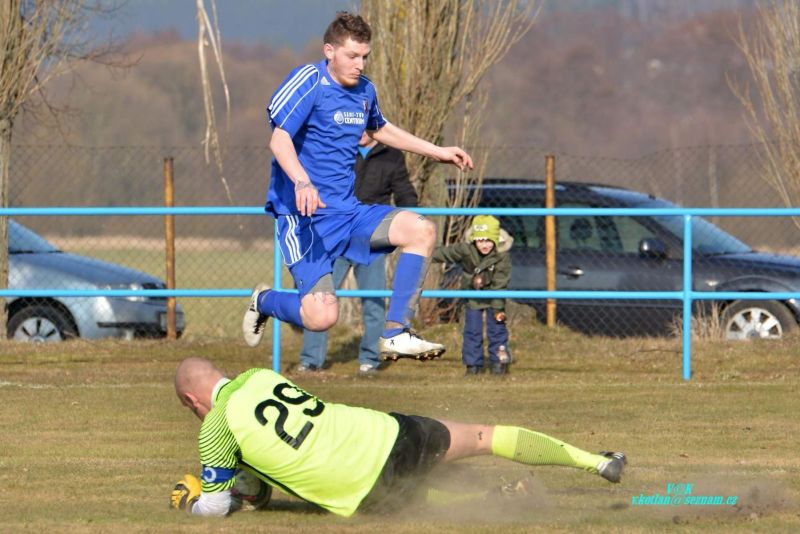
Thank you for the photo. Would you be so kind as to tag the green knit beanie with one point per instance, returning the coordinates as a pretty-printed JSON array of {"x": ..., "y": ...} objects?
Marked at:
[{"x": 485, "y": 227}]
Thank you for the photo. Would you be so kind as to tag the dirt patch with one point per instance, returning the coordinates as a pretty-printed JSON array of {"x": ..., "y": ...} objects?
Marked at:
[{"x": 721, "y": 496}]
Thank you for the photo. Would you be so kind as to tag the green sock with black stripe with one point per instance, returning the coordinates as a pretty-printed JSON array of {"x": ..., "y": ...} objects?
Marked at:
[{"x": 534, "y": 448}]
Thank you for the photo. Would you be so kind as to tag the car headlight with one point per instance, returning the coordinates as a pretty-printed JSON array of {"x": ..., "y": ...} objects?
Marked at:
[{"x": 133, "y": 286}]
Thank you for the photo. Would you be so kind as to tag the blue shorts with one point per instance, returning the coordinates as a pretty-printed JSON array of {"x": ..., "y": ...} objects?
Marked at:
[{"x": 310, "y": 245}]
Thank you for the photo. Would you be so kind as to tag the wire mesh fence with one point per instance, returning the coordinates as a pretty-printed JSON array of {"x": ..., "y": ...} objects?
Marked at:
[{"x": 603, "y": 253}]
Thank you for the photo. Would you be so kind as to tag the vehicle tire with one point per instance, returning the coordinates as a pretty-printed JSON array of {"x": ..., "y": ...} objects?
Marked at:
[
  {"x": 757, "y": 319},
  {"x": 40, "y": 323}
]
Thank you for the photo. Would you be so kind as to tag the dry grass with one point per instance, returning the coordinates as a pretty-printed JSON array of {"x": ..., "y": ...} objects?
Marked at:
[
  {"x": 93, "y": 437},
  {"x": 706, "y": 324}
]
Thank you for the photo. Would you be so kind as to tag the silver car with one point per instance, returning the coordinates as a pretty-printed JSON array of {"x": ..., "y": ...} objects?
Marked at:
[{"x": 34, "y": 263}]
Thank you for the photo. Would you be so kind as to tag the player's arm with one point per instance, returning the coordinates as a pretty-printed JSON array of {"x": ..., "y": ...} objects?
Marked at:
[
  {"x": 213, "y": 504},
  {"x": 188, "y": 495},
  {"x": 306, "y": 194},
  {"x": 449, "y": 253},
  {"x": 391, "y": 135}
]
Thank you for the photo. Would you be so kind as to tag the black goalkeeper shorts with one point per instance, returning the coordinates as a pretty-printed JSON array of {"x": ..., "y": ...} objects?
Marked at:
[{"x": 421, "y": 444}]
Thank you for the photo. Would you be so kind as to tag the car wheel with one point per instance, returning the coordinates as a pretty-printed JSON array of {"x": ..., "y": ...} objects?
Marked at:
[
  {"x": 757, "y": 319},
  {"x": 40, "y": 324}
]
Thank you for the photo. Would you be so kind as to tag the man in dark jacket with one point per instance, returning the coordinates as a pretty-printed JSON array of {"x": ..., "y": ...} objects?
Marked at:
[{"x": 380, "y": 175}]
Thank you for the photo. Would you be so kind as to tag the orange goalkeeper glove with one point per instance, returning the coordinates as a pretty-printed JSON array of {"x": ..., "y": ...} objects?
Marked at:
[{"x": 186, "y": 492}]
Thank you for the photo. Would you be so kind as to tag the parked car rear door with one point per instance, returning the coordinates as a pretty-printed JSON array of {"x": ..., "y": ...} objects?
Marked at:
[{"x": 597, "y": 253}]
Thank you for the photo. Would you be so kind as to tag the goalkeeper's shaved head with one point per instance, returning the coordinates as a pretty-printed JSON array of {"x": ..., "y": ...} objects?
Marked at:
[
  {"x": 195, "y": 379},
  {"x": 194, "y": 373}
]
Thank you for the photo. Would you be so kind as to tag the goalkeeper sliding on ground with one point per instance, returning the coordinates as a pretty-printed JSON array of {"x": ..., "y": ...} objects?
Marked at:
[{"x": 339, "y": 457}]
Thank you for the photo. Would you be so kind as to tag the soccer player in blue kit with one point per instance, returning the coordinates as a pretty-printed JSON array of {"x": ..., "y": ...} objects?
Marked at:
[{"x": 318, "y": 115}]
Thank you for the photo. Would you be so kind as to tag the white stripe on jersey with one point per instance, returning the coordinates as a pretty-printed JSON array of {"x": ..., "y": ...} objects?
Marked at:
[
  {"x": 297, "y": 104},
  {"x": 291, "y": 84},
  {"x": 292, "y": 243},
  {"x": 288, "y": 90}
]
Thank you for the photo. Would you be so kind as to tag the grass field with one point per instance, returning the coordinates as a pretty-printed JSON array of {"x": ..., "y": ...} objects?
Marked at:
[{"x": 93, "y": 438}]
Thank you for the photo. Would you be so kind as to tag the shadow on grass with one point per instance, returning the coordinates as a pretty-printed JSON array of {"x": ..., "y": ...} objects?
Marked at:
[
  {"x": 342, "y": 351},
  {"x": 300, "y": 507}
]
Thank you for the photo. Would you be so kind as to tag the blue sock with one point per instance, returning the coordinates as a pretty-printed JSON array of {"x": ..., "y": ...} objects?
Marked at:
[
  {"x": 405, "y": 290},
  {"x": 283, "y": 306},
  {"x": 391, "y": 332}
]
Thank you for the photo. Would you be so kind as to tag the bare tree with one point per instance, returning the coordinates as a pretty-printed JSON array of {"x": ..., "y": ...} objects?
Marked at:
[
  {"x": 772, "y": 52},
  {"x": 429, "y": 57},
  {"x": 208, "y": 35},
  {"x": 428, "y": 60},
  {"x": 38, "y": 41}
]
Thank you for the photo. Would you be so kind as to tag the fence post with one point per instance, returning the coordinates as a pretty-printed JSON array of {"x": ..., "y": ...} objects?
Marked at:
[
  {"x": 169, "y": 240},
  {"x": 276, "y": 284},
  {"x": 550, "y": 235},
  {"x": 687, "y": 297}
]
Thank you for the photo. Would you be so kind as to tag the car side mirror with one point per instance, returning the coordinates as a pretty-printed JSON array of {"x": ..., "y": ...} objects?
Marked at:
[{"x": 652, "y": 248}]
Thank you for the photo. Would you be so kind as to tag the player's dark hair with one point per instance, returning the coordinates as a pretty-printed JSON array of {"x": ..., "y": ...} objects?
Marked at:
[{"x": 347, "y": 25}]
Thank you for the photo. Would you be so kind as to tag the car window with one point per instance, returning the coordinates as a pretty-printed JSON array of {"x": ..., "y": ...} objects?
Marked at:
[
  {"x": 603, "y": 234},
  {"x": 707, "y": 239},
  {"x": 609, "y": 235},
  {"x": 528, "y": 232},
  {"x": 584, "y": 233},
  {"x": 23, "y": 240},
  {"x": 533, "y": 228},
  {"x": 631, "y": 232},
  {"x": 576, "y": 233}
]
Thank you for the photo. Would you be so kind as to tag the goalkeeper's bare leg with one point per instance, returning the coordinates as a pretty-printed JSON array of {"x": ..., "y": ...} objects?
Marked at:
[{"x": 528, "y": 447}]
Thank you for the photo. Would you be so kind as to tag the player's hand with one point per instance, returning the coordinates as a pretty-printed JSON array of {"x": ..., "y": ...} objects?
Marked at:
[
  {"x": 500, "y": 317},
  {"x": 456, "y": 156},
  {"x": 186, "y": 492},
  {"x": 307, "y": 198}
]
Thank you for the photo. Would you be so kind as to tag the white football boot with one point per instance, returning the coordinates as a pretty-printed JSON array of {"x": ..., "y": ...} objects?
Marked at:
[
  {"x": 254, "y": 321},
  {"x": 407, "y": 344}
]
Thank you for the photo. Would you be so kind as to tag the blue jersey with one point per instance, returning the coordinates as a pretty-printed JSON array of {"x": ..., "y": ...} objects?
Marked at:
[{"x": 325, "y": 121}]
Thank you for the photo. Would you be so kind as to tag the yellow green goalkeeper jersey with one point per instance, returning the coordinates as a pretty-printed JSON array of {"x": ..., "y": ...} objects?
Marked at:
[{"x": 328, "y": 454}]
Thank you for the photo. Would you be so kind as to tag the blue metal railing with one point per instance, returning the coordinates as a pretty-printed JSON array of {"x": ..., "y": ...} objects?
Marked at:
[{"x": 686, "y": 295}]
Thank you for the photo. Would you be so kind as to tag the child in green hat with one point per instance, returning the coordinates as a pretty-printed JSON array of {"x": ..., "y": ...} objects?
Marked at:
[{"x": 486, "y": 264}]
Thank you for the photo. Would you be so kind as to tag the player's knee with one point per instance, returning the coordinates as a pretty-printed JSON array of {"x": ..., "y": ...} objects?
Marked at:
[
  {"x": 320, "y": 312},
  {"x": 426, "y": 232},
  {"x": 320, "y": 324},
  {"x": 312, "y": 320}
]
